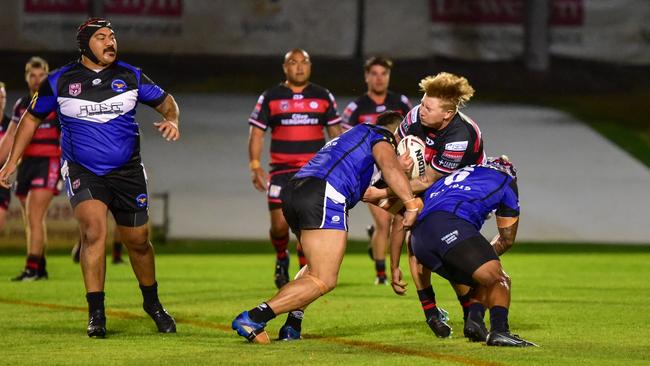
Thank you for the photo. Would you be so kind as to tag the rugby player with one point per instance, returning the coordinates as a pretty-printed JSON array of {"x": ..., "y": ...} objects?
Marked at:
[
  {"x": 446, "y": 238},
  {"x": 38, "y": 175},
  {"x": 452, "y": 140},
  {"x": 296, "y": 111},
  {"x": 96, "y": 98},
  {"x": 365, "y": 109},
  {"x": 316, "y": 203},
  {"x": 5, "y": 193}
]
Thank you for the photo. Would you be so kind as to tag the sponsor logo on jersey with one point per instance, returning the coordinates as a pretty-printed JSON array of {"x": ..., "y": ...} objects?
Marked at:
[
  {"x": 380, "y": 108},
  {"x": 97, "y": 82},
  {"x": 141, "y": 200},
  {"x": 118, "y": 86},
  {"x": 451, "y": 237},
  {"x": 100, "y": 108},
  {"x": 447, "y": 164},
  {"x": 456, "y": 156},
  {"x": 76, "y": 184},
  {"x": 38, "y": 182},
  {"x": 336, "y": 219},
  {"x": 313, "y": 104},
  {"x": 284, "y": 105},
  {"x": 298, "y": 96},
  {"x": 456, "y": 146},
  {"x": 74, "y": 89},
  {"x": 429, "y": 141}
]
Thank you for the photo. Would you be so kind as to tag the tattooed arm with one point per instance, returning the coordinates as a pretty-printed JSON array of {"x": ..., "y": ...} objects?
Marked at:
[{"x": 504, "y": 240}]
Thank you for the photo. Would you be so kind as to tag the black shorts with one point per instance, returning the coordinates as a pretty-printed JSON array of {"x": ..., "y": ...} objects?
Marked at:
[
  {"x": 38, "y": 173},
  {"x": 277, "y": 182},
  {"x": 5, "y": 198},
  {"x": 312, "y": 203},
  {"x": 123, "y": 190},
  {"x": 450, "y": 246}
]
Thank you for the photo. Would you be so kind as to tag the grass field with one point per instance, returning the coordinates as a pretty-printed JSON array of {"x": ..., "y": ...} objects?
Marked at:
[{"x": 583, "y": 304}]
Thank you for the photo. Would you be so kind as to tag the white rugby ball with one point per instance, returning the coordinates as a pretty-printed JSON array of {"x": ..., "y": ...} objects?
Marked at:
[{"x": 416, "y": 152}]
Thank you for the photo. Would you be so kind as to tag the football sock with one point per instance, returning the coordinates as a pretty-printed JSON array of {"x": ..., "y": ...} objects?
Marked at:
[
  {"x": 476, "y": 311},
  {"x": 150, "y": 293},
  {"x": 302, "y": 260},
  {"x": 465, "y": 303},
  {"x": 262, "y": 313},
  {"x": 95, "y": 301},
  {"x": 499, "y": 319},
  {"x": 294, "y": 319},
  {"x": 280, "y": 245},
  {"x": 380, "y": 267},
  {"x": 117, "y": 250},
  {"x": 34, "y": 262},
  {"x": 428, "y": 301}
]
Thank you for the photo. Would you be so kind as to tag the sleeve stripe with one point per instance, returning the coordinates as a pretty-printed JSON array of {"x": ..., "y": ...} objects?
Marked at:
[
  {"x": 346, "y": 126},
  {"x": 334, "y": 121},
  {"x": 257, "y": 123}
]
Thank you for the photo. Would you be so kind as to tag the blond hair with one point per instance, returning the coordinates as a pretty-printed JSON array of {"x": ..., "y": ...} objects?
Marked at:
[
  {"x": 2, "y": 85},
  {"x": 36, "y": 63},
  {"x": 453, "y": 90}
]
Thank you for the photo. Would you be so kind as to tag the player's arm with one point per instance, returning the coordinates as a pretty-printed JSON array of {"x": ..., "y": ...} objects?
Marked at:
[
  {"x": 505, "y": 239},
  {"x": 417, "y": 185},
  {"x": 255, "y": 145},
  {"x": 7, "y": 141},
  {"x": 386, "y": 160},
  {"x": 397, "y": 235},
  {"x": 23, "y": 135},
  {"x": 170, "y": 112}
]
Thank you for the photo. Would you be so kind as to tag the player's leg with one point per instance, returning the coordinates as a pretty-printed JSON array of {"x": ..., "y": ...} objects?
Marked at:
[
  {"x": 292, "y": 327},
  {"x": 5, "y": 199},
  {"x": 117, "y": 247},
  {"x": 279, "y": 234},
  {"x": 36, "y": 206},
  {"x": 379, "y": 241}
]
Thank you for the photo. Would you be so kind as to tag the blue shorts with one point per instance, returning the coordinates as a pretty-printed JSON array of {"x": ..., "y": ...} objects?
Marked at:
[{"x": 312, "y": 203}]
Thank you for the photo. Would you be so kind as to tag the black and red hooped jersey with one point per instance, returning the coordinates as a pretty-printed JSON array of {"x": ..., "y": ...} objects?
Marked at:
[
  {"x": 4, "y": 124},
  {"x": 457, "y": 145},
  {"x": 45, "y": 142},
  {"x": 365, "y": 110},
  {"x": 296, "y": 121}
]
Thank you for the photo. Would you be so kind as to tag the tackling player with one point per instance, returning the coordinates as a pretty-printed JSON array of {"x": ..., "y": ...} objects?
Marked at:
[
  {"x": 96, "y": 98},
  {"x": 365, "y": 109},
  {"x": 316, "y": 203},
  {"x": 296, "y": 111},
  {"x": 447, "y": 239},
  {"x": 37, "y": 181}
]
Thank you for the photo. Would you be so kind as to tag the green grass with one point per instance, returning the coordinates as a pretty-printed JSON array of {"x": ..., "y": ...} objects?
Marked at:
[{"x": 583, "y": 304}]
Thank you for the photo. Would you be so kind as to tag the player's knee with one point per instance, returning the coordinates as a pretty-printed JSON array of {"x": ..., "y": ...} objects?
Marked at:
[
  {"x": 92, "y": 234},
  {"x": 279, "y": 230},
  {"x": 325, "y": 283},
  {"x": 138, "y": 244}
]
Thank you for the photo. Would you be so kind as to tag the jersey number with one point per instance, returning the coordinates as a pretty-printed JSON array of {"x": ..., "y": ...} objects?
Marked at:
[{"x": 458, "y": 175}]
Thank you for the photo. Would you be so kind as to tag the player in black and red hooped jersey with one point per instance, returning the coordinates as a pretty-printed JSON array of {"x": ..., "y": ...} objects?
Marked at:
[
  {"x": 296, "y": 111},
  {"x": 38, "y": 174},
  {"x": 452, "y": 141},
  {"x": 365, "y": 109},
  {"x": 5, "y": 193}
]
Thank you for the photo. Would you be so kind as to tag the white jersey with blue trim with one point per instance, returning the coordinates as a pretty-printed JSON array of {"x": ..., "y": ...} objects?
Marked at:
[
  {"x": 346, "y": 162},
  {"x": 97, "y": 112}
]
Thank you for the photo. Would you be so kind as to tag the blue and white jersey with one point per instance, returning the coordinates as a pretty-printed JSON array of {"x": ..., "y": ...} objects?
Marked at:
[
  {"x": 97, "y": 112},
  {"x": 346, "y": 162},
  {"x": 471, "y": 193}
]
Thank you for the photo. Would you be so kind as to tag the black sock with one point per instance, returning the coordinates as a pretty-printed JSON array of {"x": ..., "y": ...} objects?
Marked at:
[
  {"x": 150, "y": 294},
  {"x": 294, "y": 319},
  {"x": 262, "y": 313},
  {"x": 117, "y": 250},
  {"x": 464, "y": 302},
  {"x": 34, "y": 262},
  {"x": 476, "y": 311},
  {"x": 380, "y": 267},
  {"x": 499, "y": 319},
  {"x": 95, "y": 301},
  {"x": 428, "y": 301}
]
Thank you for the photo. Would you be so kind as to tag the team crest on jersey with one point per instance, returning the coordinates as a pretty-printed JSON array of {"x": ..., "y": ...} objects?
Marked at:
[
  {"x": 141, "y": 200},
  {"x": 74, "y": 89},
  {"x": 429, "y": 141},
  {"x": 97, "y": 81},
  {"x": 284, "y": 105},
  {"x": 118, "y": 86}
]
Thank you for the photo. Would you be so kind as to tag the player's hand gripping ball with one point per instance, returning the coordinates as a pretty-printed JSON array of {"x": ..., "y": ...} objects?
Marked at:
[{"x": 415, "y": 148}]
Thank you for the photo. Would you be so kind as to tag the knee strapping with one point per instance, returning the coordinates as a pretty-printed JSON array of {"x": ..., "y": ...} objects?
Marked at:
[{"x": 321, "y": 285}]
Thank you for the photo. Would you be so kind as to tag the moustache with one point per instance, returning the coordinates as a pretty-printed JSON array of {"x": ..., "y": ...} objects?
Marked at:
[{"x": 109, "y": 49}]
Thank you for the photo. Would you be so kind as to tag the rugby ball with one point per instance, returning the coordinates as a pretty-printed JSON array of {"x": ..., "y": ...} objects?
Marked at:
[{"x": 415, "y": 147}]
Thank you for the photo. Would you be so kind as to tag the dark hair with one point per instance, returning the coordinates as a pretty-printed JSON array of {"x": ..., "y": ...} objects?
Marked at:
[
  {"x": 377, "y": 60},
  {"x": 389, "y": 117}
]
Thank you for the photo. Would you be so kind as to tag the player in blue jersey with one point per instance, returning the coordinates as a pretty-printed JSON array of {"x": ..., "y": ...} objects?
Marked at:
[
  {"x": 95, "y": 99},
  {"x": 316, "y": 203},
  {"x": 446, "y": 238}
]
